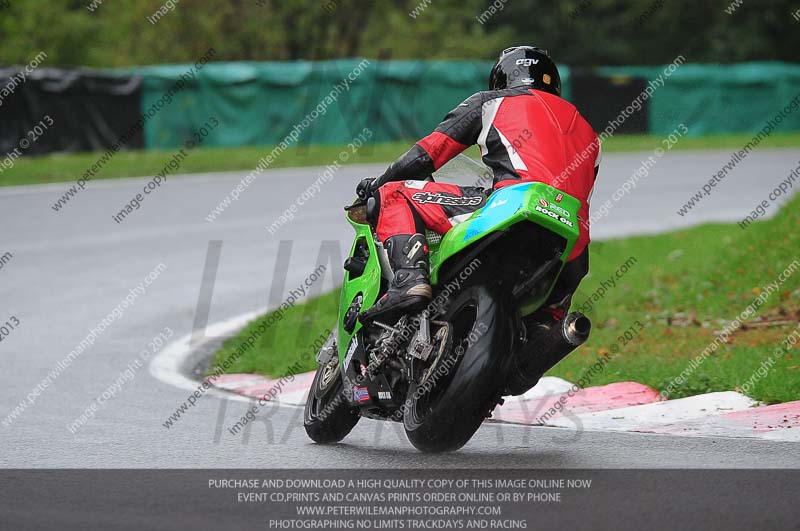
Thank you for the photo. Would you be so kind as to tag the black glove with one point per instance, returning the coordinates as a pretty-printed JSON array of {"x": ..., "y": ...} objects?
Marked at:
[{"x": 366, "y": 188}]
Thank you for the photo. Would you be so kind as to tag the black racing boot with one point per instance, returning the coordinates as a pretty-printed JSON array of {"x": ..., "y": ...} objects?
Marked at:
[{"x": 410, "y": 289}]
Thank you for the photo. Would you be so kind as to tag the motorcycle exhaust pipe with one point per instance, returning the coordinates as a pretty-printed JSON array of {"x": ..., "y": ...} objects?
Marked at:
[{"x": 545, "y": 349}]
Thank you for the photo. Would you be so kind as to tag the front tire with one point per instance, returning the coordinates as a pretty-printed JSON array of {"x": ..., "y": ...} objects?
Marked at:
[
  {"x": 328, "y": 417},
  {"x": 443, "y": 413}
]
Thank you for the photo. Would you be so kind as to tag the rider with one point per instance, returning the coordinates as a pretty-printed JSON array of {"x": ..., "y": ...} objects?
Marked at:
[{"x": 526, "y": 132}]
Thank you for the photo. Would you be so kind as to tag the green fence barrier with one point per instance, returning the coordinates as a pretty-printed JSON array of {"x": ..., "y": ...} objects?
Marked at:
[
  {"x": 325, "y": 102},
  {"x": 721, "y": 99},
  {"x": 330, "y": 102}
]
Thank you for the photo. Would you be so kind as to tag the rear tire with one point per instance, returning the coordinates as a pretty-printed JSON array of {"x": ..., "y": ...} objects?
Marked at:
[
  {"x": 328, "y": 417},
  {"x": 442, "y": 414}
]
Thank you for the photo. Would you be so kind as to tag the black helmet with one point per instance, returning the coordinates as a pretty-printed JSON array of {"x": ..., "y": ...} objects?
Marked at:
[{"x": 525, "y": 66}]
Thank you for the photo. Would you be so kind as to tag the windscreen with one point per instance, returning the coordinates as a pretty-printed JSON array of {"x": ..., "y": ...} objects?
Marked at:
[{"x": 464, "y": 171}]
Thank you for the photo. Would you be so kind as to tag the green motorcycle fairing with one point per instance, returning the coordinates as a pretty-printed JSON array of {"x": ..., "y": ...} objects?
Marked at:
[{"x": 524, "y": 202}]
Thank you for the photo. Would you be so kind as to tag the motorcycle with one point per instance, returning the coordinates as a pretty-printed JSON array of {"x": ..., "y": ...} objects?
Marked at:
[{"x": 442, "y": 371}]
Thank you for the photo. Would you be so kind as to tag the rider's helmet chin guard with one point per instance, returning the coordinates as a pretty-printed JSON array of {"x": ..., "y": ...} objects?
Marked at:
[{"x": 525, "y": 66}]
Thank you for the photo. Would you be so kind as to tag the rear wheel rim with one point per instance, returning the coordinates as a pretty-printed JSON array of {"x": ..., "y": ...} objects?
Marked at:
[{"x": 429, "y": 390}]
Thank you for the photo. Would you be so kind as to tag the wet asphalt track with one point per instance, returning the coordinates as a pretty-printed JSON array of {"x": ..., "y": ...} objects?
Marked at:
[{"x": 69, "y": 269}]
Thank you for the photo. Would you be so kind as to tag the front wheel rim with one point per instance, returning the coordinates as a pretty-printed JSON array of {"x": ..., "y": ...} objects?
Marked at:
[
  {"x": 329, "y": 373},
  {"x": 326, "y": 387}
]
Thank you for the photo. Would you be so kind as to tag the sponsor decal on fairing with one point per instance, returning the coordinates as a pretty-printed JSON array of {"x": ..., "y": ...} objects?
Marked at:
[
  {"x": 555, "y": 208},
  {"x": 360, "y": 394},
  {"x": 555, "y": 216}
]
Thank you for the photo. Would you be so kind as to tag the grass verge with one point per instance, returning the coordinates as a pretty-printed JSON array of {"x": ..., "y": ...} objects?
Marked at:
[
  {"x": 61, "y": 167},
  {"x": 64, "y": 167},
  {"x": 681, "y": 286}
]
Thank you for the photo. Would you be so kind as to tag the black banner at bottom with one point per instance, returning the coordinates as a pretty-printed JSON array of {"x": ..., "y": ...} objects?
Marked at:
[{"x": 399, "y": 499}]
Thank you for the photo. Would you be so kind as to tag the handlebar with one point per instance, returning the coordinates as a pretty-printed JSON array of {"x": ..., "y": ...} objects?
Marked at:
[
  {"x": 355, "y": 204},
  {"x": 363, "y": 196}
]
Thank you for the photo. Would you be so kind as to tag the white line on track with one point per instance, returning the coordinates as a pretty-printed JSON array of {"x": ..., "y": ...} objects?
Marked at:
[{"x": 166, "y": 365}]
